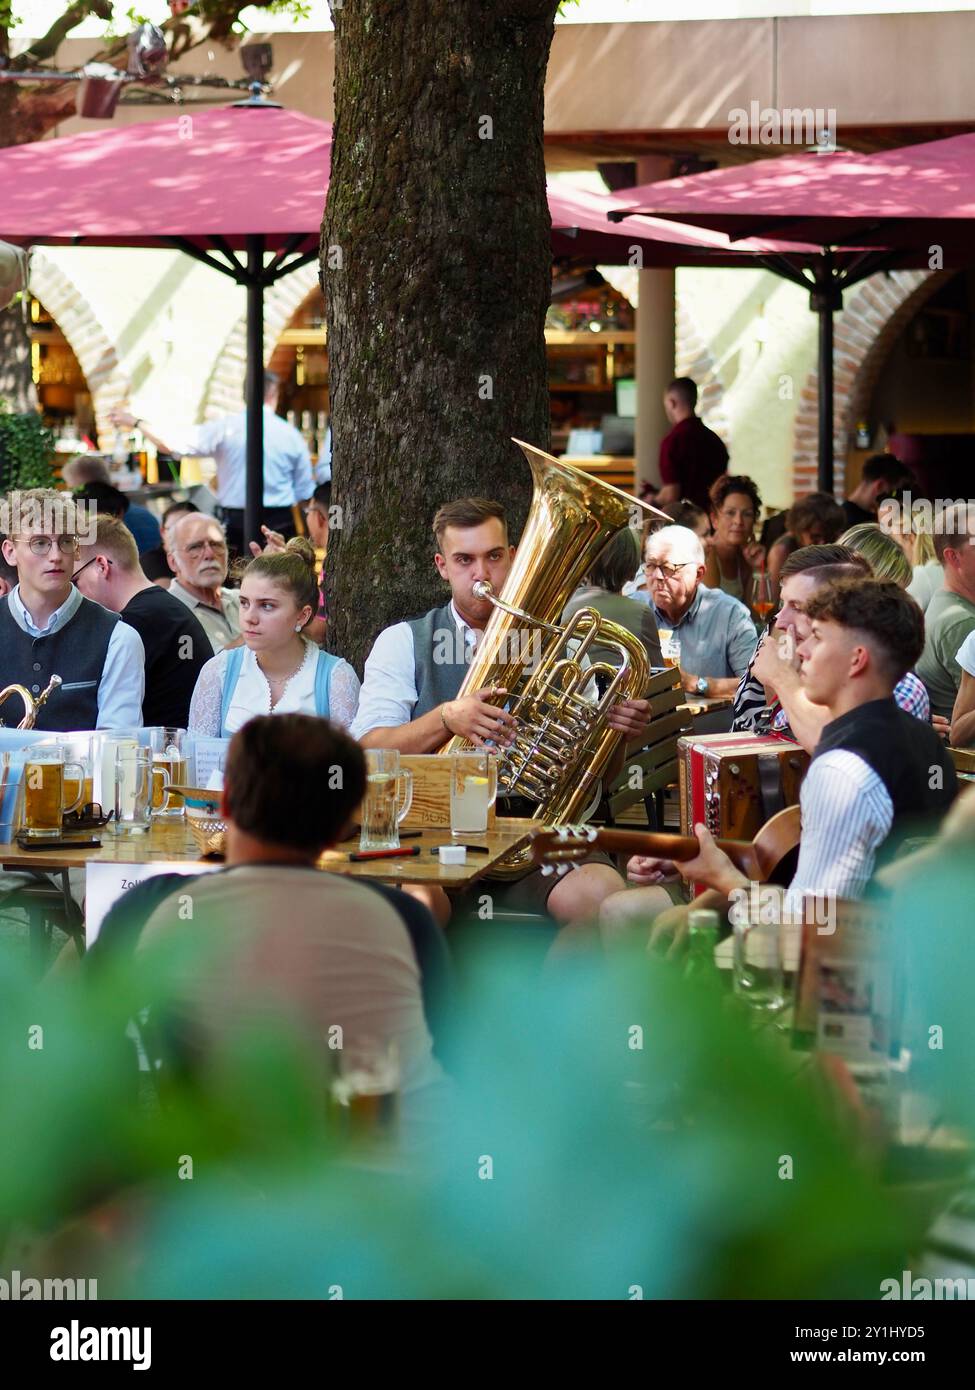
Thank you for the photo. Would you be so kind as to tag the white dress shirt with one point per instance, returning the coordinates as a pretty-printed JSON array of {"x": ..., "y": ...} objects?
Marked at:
[
  {"x": 847, "y": 814},
  {"x": 123, "y": 680},
  {"x": 389, "y": 695},
  {"x": 252, "y": 694},
  {"x": 287, "y": 465}
]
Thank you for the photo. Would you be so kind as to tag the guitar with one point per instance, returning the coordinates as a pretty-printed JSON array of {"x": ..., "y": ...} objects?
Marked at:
[{"x": 559, "y": 847}]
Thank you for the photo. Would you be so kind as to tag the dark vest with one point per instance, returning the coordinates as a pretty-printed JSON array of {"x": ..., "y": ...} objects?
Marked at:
[
  {"x": 76, "y": 653},
  {"x": 906, "y": 754},
  {"x": 439, "y": 659}
]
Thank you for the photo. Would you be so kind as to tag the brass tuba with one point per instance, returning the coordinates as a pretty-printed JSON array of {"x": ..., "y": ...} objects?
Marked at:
[
  {"x": 562, "y": 742},
  {"x": 31, "y": 706}
]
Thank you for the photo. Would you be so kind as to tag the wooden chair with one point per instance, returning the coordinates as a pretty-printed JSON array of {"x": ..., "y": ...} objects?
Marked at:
[{"x": 656, "y": 758}]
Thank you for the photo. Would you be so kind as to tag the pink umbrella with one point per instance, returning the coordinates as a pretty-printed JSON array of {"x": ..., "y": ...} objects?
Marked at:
[
  {"x": 873, "y": 207},
  {"x": 252, "y": 178},
  {"x": 900, "y": 198}
]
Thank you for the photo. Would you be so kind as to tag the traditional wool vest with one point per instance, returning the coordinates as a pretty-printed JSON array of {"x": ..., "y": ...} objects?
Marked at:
[
  {"x": 75, "y": 652},
  {"x": 906, "y": 754},
  {"x": 440, "y": 660}
]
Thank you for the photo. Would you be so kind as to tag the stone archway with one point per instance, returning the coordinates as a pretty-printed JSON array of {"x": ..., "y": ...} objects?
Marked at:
[
  {"x": 224, "y": 392},
  {"x": 864, "y": 333},
  {"x": 96, "y": 353}
]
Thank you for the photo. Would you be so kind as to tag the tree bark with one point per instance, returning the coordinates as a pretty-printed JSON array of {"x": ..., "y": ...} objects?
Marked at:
[
  {"x": 436, "y": 269},
  {"x": 16, "y": 381}
]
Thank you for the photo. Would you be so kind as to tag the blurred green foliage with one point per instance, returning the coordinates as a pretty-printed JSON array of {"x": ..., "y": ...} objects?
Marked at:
[
  {"x": 26, "y": 450},
  {"x": 612, "y": 1166}
]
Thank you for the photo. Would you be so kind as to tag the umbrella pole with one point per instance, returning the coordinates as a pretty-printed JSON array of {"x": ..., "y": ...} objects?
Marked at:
[
  {"x": 825, "y": 299},
  {"x": 254, "y": 497}
]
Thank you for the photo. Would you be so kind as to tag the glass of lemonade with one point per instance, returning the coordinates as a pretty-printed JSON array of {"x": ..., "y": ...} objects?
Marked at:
[
  {"x": 170, "y": 756},
  {"x": 388, "y": 798},
  {"x": 44, "y": 797},
  {"x": 473, "y": 789}
]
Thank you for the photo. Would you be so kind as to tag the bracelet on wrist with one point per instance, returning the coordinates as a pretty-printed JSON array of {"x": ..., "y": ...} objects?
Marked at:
[{"x": 443, "y": 720}]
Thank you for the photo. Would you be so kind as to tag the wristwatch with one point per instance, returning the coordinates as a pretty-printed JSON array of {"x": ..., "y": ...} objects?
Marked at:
[{"x": 703, "y": 685}]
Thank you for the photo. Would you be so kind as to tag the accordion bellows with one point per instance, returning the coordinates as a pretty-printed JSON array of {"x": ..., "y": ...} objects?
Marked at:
[{"x": 734, "y": 783}]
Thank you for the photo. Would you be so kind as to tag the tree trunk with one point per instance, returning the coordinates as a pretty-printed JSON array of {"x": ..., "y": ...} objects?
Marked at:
[
  {"x": 436, "y": 268},
  {"x": 16, "y": 382}
]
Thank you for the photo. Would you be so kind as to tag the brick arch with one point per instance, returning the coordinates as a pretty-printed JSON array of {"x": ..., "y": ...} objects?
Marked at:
[
  {"x": 864, "y": 333},
  {"x": 77, "y": 320},
  {"x": 693, "y": 358},
  {"x": 224, "y": 392}
]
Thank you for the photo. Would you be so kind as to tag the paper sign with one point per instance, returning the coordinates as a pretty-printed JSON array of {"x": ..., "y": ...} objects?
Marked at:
[
  {"x": 105, "y": 884},
  {"x": 209, "y": 756}
]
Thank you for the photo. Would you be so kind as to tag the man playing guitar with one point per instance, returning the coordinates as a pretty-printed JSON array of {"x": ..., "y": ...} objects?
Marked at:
[{"x": 876, "y": 771}]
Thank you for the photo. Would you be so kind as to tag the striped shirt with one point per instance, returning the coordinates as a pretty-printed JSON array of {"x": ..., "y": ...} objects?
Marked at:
[{"x": 847, "y": 814}]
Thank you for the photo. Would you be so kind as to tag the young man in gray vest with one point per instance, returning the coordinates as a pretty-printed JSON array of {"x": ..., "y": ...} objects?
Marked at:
[
  {"x": 415, "y": 669},
  {"x": 47, "y": 628}
]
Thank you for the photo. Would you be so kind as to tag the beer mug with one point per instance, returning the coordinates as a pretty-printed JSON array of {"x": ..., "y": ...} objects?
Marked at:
[
  {"x": 133, "y": 789},
  {"x": 381, "y": 814},
  {"x": 78, "y": 747},
  {"x": 44, "y": 799},
  {"x": 170, "y": 755},
  {"x": 473, "y": 790}
]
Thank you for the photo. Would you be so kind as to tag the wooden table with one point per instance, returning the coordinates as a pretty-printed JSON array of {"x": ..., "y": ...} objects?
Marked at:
[{"x": 172, "y": 840}]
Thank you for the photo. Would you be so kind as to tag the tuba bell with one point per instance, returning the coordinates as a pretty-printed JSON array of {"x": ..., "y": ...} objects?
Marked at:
[
  {"x": 562, "y": 741},
  {"x": 31, "y": 705}
]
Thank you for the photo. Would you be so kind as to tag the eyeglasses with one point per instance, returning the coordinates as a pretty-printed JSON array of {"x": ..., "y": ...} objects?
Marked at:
[
  {"x": 41, "y": 545},
  {"x": 668, "y": 571},
  {"x": 106, "y": 558},
  {"x": 195, "y": 548}
]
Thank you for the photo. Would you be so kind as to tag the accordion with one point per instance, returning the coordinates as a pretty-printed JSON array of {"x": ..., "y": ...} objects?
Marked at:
[{"x": 734, "y": 783}]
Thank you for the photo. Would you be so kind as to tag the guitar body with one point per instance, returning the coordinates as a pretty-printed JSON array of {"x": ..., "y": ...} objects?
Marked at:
[{"x": 760, "y": 859}]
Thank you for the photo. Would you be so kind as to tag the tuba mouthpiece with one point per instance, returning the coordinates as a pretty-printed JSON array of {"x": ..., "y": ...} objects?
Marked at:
[{"x": 481, "y": 588}]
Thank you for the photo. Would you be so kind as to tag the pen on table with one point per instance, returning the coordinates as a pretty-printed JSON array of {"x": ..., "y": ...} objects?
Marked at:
[
  {"x": 410, "y": 834},
  {"x": 384, "y": 854}
]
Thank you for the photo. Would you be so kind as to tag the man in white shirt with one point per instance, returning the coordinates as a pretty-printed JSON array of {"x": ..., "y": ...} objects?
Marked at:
[
  {"x": 199, "y": 557},
  {"x": 47, "y": 628},
  {"x": 877, "y": 772},
  {"x": 287, "y": 465},
  {"x": 415, "y": 669}
]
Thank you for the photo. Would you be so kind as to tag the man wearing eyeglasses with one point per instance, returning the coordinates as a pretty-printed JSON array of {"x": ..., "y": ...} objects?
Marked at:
[
  {"x": 199, "y": 558},
  {"x": 48, "y": 628},
  {"x": 716, "y": 634}
]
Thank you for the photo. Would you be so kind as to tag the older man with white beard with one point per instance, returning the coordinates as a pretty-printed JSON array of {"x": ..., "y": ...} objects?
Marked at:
[{"x": 199, "y": 557}]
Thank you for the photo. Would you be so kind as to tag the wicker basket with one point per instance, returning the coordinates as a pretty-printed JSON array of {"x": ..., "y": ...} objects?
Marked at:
[{"x": 208, "y": 832}]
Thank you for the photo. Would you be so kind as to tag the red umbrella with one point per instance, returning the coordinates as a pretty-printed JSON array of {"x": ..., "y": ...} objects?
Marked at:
[
  {"x": 901, "y": 198},
  {"x": 909, "y": 201},
  {"x": 252, "y": 178}
]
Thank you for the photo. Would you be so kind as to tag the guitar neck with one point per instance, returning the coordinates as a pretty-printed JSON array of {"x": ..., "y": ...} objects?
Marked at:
[{"x": 680, "y": 848}]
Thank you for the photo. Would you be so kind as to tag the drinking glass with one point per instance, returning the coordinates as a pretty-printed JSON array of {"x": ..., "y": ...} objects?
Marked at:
[
  {"x": 762, "y": 603},
  {"x": 133, "y": 789},
  {"x": 170, "y": 753},
  {"x": 473, "y": 790},
  {"x": 77, "y": 747},
  {"x": 381, "y": 813},
  {"x": 366, "y": 1084},
  {"x": 757, "y": 969},
  {"x": 669, "y": 646},
  {"x": 44, "y": 799}
]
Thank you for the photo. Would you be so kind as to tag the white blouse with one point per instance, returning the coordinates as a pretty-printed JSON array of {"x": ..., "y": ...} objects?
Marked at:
[{"x": 252, "y": 694}]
